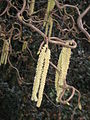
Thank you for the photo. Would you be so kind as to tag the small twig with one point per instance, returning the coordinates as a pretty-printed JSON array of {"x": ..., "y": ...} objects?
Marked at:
[
  {"x": 6, "y": 9},
  {"x": 66, "y": 5},
  {"x": 31, "y": 53},
  {"x": 51, "y": 100},
  {"x": 72, "y": 116},
  {"x": 62, "y": 94},
  {"x": 20, "y": 17},
  {"x": 20, "y": 81},
  {"x": 54, "y": 66},
  {"x": 80, "y": 24}
]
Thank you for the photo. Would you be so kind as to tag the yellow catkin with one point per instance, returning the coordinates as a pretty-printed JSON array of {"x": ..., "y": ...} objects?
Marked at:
[
  {"x": 80, "y": 106},
  {"x": 50, "y": 6},
  {"x": 63, "y": 65},
  {"x": 38, "y": 74},
  {"x": 46, "y": 28},
  {"x": 43, "y": 78},
  {"x": 57, "y": 73},
  {"x": 48, "y": 21},
  {"x": 4, "y": 54},
  {"x": 32, "y": 7},
  {"x": 51, "y": 25},
  {"x": 24, "y": 46},
  {"x": 47, "y": 13},
  {"x": 7, "y": 52}
]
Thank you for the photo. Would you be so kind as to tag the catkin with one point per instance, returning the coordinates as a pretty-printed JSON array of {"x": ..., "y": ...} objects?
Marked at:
[
  {"x": 50, "y": 6},
  {"x": 4, "y": 54},
  {"x": 38, "y": 74},
  {"x": 57, "y": 73},
  {"x": 51, "y": 26},
  {"x": 32, "y": 4},
  {"x": 48, "y": 21},
  {"x": 24, "y": 46},
  {"x": 43, "y": 78},
  {"x": 63, "y": 65}
]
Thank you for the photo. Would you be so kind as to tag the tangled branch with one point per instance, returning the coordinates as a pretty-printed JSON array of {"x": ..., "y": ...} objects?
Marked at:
[
  {"x": 64, "y": 23},
  {"x": 80, "y": 24}
]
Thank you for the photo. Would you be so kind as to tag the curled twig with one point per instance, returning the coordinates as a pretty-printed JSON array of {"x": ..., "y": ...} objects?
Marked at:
[
  {"x": 5, "y": 10},
  {"x": 80, "y": 24},
  {"x": 51, "y": 100},
  {"x": 66, "y": 5},
  {"x": 20, "y": 80},
  {"x": 20, "y": 17},
  {"x": 67, "y": 100}
]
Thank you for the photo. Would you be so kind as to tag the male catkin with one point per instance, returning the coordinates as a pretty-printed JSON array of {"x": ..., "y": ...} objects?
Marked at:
[
  {"x": 32, "y": 4},
  {"x": 38, "y": 73},
  {"x": 63, "y": 65},
  {"x": 24, "y": 46},
  {"x": 43, "y": 77},
  {"x": 5, "y": 52}
]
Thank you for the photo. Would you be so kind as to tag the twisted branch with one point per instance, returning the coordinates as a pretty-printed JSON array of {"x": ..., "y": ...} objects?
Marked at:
[{"x": 80, "y": 24}]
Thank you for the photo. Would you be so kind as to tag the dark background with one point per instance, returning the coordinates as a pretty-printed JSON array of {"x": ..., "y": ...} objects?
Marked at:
[{"x": 15, "y": 100}]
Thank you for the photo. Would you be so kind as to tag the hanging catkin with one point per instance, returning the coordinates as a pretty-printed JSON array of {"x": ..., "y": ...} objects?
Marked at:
[
  {"x": 50, "y": 6},
  {"x": 63, "y": 65},
  {"x": 57, "y": 73},
  {"x": 24, "y": 46},
  {"x": 5, "y": 52},
  {"x": 38, "y": 73},
  {"x": 43, "y": 77},
  {"x": 48, "y": 21},
  {"x": 32, "y": 4},
  {"x": 51, "y": 26}
]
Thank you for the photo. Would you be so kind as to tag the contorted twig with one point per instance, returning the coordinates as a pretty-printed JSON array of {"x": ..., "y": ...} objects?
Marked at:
[
  {"x": 29, "y": 21},
  {"x": 80, "y": 24},
  {"x": 65, "y": 88},
  {"x": 20, "y": 80},
  {"x": 66, "y": 5},
  {"x": 79, "y": 20},
  {"x": 53, "y": 40},
  {"x": 20, "y": 17},
  {"x": 5, "y": 10}
]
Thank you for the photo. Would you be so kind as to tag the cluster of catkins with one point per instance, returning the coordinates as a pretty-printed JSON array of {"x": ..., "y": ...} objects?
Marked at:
[
  {"x": 42, "y": 69},
  {"x": 41, "y": 73}
]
